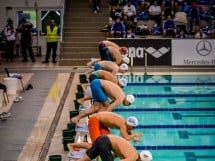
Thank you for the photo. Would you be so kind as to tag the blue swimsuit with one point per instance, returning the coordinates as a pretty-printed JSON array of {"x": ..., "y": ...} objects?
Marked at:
[{"x": 98, "y": 93}]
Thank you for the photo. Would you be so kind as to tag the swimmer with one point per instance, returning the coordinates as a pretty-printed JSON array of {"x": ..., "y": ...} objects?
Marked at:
[
  {"x": 110, "y": 146},
  {"x": 102, "y": 74},
  {"x": 101, "y": 91},
  {"x": 109, "y": 66},
  {"x": 100, "y": 123}
]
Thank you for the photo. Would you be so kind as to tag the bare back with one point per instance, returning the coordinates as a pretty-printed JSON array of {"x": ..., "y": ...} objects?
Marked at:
[
  {"x": 116, "y": 55},
  {"x": 113, "y": 91},
  {"x": 110, "y": 43},
  {"x": 107, "y": 76},
  {"x": 110, "y": 119},
  {"x": 123, "y": 148},
  {"x": 110, "y": 66}
]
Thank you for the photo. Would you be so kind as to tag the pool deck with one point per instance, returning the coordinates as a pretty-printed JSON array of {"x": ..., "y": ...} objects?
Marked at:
[{"x": 44, "y": 100}]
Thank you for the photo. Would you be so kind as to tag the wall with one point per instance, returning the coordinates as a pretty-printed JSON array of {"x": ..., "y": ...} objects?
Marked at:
[{"x": 9, "y": 8}]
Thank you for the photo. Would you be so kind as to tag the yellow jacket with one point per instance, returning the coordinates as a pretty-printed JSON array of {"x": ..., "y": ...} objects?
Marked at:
[{"x": 51, "y": 35}]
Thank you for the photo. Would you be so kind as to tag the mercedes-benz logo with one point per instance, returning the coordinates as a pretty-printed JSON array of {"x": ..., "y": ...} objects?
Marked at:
[{"x": 204, "y": 48}]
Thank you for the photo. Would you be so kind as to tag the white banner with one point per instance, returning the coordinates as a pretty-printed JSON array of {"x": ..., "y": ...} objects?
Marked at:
[{"x": 193, "y": 52}]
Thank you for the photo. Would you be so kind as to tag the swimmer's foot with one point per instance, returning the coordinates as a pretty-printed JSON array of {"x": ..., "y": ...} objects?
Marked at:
[{"x": 74, "y": 119}]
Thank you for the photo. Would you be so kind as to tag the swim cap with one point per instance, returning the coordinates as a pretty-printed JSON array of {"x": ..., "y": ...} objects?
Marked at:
[
  {"x": 124, "y": 49},
  {"x": 123, "y": 81},
  {"x": 123, "y": 67},
  {"x": 145, "y": 155},
  {"x": 132, "y": 121},
  {"x": 130, "y": 98},
  {"x": 126, "y": 59}
]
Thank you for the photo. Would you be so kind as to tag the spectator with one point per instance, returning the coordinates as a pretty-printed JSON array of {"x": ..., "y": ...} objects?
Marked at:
[
  {"x": 207, "y": 30},
  {"x": 142, "y": 10},
  {"x": 169, "y": 27},
  {"x": 156, "y": 30},
  {"x": 10, "y": 35},
  {"x": 193, "y": 16},
  {"x": 129, "y": 12},
  {"x": 96, "y": 4},
  {"x": 129, "y": 34},
  {"x": 26, "y": 40},
  {"x": 186, "y": 7},
  {"x": 52, "y": 32},
  {"x": 200, "y": 34},
  {"x": 117, "y": 28},
  {"x": 181, "y": 19},
  {"x": 181, "y": 35},
  {"x": 155, "y": 12},
  {"x": 167, "y": 11},
  {"x": 117, "y": 12},
  {"x": 168, "y": 3},
  {"x": 141, "y": 29}
]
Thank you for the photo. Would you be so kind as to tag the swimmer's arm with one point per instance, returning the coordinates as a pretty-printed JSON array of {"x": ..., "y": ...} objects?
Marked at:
[
  {"x": 112, "y": 105},
  {"x": 118, "y": 61},
  {"x": 114, "y": 71},
  {"x": 135, "y": 136}
]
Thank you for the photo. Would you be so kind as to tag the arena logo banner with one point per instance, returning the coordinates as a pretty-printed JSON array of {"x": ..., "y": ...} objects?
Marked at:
[
  {"x": 158, "y": 50},
  {"x": 193, "y": 52}
]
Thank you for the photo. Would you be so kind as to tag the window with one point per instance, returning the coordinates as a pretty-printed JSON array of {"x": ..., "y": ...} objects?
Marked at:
[
  {"x": 30, "y": 16},
  {"x": 46, "y": 16}
]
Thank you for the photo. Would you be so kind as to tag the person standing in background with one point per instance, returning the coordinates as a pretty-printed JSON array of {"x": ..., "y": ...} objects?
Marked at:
[
  {"x": 52, "y": 35},
  {"x": 10, "y": 35},
  {"x": 26, "y": 40}
]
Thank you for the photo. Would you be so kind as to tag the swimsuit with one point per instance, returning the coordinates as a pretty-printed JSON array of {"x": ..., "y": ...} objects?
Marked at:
[
  {"x": 105, "y": 54},
  {"x": 96, "y": 129},
  {"x": 102, "y": 146},
  {"x": 98, "y": 93},
  {"x": 97, "y": 66},
  {"x": 94, "y": 75}
]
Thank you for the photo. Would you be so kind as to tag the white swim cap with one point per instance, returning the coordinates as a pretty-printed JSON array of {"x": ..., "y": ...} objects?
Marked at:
[
  {"x": 132, "y": 121},
  {"x": 145, "y": 155},
  {"x": 123, "y": 81},
  {"x": 126, "y": 59},
  {"x": 130, "y": 98},
  {"x": 123, "y": 67}
]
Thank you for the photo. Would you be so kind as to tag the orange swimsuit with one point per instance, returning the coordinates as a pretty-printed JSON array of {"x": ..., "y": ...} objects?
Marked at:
[{"x": 96, "y": 129}]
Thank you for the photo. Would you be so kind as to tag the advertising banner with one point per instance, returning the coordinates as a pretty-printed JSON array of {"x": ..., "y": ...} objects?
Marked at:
[
  {"x": 199, "y": 52},
  {"x": 158, "y": 50}
]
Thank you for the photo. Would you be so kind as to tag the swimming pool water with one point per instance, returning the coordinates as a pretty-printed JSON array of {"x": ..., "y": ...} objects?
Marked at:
[{"x": 176, "y": 115}]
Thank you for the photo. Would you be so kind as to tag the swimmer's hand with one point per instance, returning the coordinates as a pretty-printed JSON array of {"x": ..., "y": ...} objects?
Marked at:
[{"x": 137, "y": 137}]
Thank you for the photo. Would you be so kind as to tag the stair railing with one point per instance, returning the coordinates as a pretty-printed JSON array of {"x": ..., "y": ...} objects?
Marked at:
[{"x": 61, "y": 28}]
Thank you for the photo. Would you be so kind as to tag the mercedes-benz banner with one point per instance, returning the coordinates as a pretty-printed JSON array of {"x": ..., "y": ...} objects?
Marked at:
[{"x": 199, "y": 52}]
